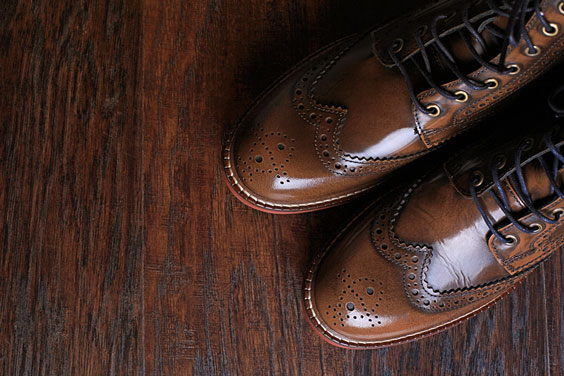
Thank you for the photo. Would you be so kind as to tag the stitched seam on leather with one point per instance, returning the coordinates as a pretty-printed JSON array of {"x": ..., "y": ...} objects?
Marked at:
[
  {"x": 326, "y": 330},
  {"x": 514, "y": 85},
  {"x": 457, "y": 168},
  {"x": 459, "y": 293},
  {"x": 508, "y": 261},
  {"x": 423, "y": 334},
  {"x": 340, "y": 124},
  {"x": 341, "y": 114},
  {"x": 534, "y": 20},
  {"x": 509, "y": 88},
  {"x": 230, "y": 172}
]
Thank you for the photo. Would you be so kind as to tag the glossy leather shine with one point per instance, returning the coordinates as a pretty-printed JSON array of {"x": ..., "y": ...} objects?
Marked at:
[
  {"x": 342, "y": 120},
  {"x": 422, "y": 258}
]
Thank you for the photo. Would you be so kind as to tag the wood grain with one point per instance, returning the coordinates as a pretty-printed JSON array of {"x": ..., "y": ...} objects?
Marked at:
[
  {"x": 71, "y": 207},
  {"x": 122, "y": 250}
]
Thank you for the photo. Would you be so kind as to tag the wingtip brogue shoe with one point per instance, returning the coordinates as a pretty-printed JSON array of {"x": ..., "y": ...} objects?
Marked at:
[
  {"x": 441, "y": 249},
  {"x": 363, "y": 107}
]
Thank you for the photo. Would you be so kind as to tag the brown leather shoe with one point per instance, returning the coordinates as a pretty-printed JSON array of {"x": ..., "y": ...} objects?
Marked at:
[
  {"x": 367, "y": 105},
  {"x": 442, "y": 249}
]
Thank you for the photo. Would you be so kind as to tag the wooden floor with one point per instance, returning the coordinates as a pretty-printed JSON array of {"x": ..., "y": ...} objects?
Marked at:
[{"x": 122, "y": 250}]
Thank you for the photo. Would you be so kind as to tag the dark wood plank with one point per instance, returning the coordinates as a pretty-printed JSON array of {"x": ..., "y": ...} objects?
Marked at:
[
  {"x": 123, "y": 251},
  {"x": 237, "y": 308},
  {"x": 70, "y": 205}
]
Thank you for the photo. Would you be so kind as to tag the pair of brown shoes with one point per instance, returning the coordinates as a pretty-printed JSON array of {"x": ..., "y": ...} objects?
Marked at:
[{"x": 458, "y": 237}]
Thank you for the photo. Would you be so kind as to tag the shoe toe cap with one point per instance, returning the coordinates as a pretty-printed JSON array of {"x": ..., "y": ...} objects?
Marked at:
[
  {"x": 356, "y": 297},
  {"x": 272, "y": 161}
]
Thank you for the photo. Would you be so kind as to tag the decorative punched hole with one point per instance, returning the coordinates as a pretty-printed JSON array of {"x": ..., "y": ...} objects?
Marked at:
[
  {"x": 338, "y": 166},
  {"x": 329, "y": 120},
  {"x": 258, "y": 158},
  {"x": 281, "y": 146},
  {"x": 492, "y": 83},
  {"x": 313, "y": 116},
  {"x": 298, "y": 92},
  {"x": 350, "y": 306},
  {"x": 384, "y": 246},
  {"x": 411, "y": 276},
  {"x": 370, "y": 291},
  {"x": 561, "y": 7},
  {"x": 323, "y": 137},
  {"x": 301, "y": 106},
  {"x": 477, "y": 178},
  {"x": 325, "y": 153},
  {"x": 553, "y": 31},
  {"x": 415, "y": 259},
  {"x": 535, "y": 228}
]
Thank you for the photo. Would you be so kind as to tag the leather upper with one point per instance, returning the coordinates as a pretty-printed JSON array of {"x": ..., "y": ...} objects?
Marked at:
[
  {"x": 422, "y": 258},
  {"x": 343, "y": 119}
]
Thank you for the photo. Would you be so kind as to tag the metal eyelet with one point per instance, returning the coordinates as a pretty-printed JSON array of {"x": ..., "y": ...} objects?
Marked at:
[
  {"x": 535, "y": 52},
  {"x": 434, "y": 110},
  {"x": 397, "y": 45},
  {"x": 492, "y": 83},
  {"x": 554, "y": 32},
  {"x": 500, "y": 161},
  {"x": 513, "y": 69},
  {"x": 477, "y": 178},
  {"x": 462, "y": 96},
  {"x": 561, "y": 7},
  {"x": 557, "y": 213},
  {"x": 535, "y": 227},
  {"x": 511, "y": 240},
  {"x": 528, "y": 143}
]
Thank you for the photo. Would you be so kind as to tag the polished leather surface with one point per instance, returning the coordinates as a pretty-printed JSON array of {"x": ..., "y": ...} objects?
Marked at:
[
  {"x": 422, "y": 258},
  {"x": 343, "y": 120}
]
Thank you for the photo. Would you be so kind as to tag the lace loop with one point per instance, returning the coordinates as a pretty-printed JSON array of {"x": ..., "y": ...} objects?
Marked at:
[
  {"x": 518, "y": 181},
  {"x": 517, "y": 13}
]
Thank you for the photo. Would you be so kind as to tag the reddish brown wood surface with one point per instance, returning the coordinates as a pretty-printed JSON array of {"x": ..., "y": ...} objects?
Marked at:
[{"x": 122, "y": 251}]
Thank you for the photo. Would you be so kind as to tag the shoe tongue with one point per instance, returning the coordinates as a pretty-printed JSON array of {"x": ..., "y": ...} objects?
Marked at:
[
  {"x": 491, "y": 48},
  {"x": 461, "y": 53}
]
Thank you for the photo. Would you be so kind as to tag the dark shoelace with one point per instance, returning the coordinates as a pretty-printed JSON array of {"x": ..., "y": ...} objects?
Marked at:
[
  {"x": 516, "y": 12},
  {"x": 518, "y": 181}
]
